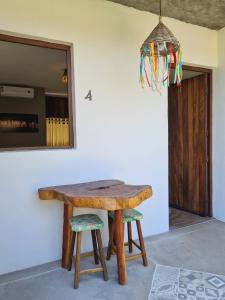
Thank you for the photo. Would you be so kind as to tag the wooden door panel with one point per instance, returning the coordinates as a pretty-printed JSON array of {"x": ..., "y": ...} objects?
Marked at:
[{"x": 187, "y": 114}]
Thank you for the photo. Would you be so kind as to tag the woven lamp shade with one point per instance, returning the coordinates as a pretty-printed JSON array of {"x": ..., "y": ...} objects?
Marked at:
[
  {"x": 160, "y": 52},
  {"x": 159, "y": 35}
]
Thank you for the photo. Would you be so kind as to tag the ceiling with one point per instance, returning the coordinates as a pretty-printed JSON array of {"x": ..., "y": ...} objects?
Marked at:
[
  {"x": 32, "y": 66},
  {"x": 206, "y": 13}
]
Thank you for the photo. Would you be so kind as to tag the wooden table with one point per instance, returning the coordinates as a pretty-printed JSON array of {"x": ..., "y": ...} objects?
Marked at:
[{"x": 105, "y": 194}]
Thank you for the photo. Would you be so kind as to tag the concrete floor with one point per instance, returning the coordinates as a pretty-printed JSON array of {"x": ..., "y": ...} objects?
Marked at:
[{"x": 197, "y": 247}]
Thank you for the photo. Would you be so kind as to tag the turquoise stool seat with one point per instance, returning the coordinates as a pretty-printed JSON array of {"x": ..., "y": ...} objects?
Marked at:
[
  {"x": 129, "y": 215},
  {"x": 86, "y": 222}
]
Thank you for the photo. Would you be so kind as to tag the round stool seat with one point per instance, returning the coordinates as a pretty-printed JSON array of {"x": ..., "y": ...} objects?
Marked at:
[
  {"x": 86, "y": 222},
  {"x": 129, "y": 215}
]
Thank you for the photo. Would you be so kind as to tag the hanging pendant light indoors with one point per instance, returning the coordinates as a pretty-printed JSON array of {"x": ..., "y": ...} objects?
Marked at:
[
  {"x": 162, "y": 52},
  {"x": 65, "y": 77}
]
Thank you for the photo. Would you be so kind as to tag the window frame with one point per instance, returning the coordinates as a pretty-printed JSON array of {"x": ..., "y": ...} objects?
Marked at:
[{"x": 52, "y": 45}]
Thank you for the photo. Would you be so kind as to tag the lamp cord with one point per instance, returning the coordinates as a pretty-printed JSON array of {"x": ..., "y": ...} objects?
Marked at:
[{"x": 160, "y": 10}]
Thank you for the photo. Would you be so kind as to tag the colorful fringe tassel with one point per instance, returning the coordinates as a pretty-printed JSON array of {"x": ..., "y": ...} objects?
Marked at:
[{"x": 160, "y": 66}]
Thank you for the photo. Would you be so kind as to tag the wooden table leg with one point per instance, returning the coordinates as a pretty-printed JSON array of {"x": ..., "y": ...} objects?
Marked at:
[
  {"x": 68, "y": 213},
  {"x": 119, "y": 239}
]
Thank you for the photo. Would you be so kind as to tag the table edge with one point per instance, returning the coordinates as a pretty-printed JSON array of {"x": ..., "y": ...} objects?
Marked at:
[{"x": 106, "y": 203}]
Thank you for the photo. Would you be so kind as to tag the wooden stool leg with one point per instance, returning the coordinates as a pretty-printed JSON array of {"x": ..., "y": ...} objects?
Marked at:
[
  {"x": 111, "y": 238},
  {"x": 142, "y": 244},
  {"x": 71, "y": 251},
  {"x": 119, "y": 237},
  {"x": 77, "y": 261},
  {"x": 95, "y": 249},
  {"x": 67, "y": 233},
  {"x": 101, "y": 255},
  {"x": 109, "y": 223},
  {"x": 129, "y": 232}
]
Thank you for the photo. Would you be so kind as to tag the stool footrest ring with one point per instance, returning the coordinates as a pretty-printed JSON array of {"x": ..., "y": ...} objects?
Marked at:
[{"x": 87, "y": 271}]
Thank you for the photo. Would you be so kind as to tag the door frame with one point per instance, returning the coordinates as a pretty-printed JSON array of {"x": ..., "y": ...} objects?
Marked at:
[{"x": 209, "y": 73}]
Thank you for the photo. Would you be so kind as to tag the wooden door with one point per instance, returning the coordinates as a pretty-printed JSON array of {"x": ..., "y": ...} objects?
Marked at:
[{"x": 188, "y": 154}]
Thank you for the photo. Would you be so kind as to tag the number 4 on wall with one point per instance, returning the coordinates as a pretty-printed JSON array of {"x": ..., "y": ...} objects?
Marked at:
[{"x": 89, "y": 96}]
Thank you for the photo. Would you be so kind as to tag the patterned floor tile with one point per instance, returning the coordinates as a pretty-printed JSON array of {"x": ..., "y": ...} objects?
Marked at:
[
  {"x": 190, "y": 277},
  {"x": 179, "y": 284},
  {"x": 165, "y": 283}
]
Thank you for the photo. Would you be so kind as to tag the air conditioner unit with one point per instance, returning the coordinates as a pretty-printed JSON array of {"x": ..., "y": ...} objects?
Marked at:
[{"x": 16, "y": 92}]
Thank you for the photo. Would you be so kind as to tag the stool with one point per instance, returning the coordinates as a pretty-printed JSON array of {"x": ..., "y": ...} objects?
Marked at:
[
  {"x": 80, "y": 223},
  {"x": 129, "y": 215}
]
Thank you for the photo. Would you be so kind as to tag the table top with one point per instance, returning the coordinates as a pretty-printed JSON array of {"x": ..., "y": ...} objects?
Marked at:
[{"x": 103, "y": 194}]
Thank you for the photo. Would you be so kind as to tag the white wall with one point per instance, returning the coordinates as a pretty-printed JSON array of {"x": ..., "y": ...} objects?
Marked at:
[
  {"x": 121, "y": 134},
  {"x": 218, "y": 132}
]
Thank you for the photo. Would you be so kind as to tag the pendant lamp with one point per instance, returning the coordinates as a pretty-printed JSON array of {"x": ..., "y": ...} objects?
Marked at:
[{"x": 160, "y": 52}]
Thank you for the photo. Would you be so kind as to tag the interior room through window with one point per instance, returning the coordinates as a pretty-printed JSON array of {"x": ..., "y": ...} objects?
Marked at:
[{"x": 35, "y": 97}]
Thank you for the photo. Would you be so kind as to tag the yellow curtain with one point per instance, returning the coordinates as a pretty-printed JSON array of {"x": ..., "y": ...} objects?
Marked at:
[{"x": 57, "y": 132}]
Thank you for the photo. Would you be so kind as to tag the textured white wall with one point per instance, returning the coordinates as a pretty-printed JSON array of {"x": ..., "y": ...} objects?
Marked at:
[
  {"x": 121, "y": 134},
  {"x": 218, "y": 132}
]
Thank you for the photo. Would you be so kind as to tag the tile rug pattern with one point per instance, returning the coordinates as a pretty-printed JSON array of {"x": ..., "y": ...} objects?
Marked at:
[{"x": 171, "y": 283}]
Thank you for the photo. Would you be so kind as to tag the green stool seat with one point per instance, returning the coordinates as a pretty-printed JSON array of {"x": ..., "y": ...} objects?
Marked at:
[
  {"x": 86, "y": 222},
  {"x": 129, "y": 215}
]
